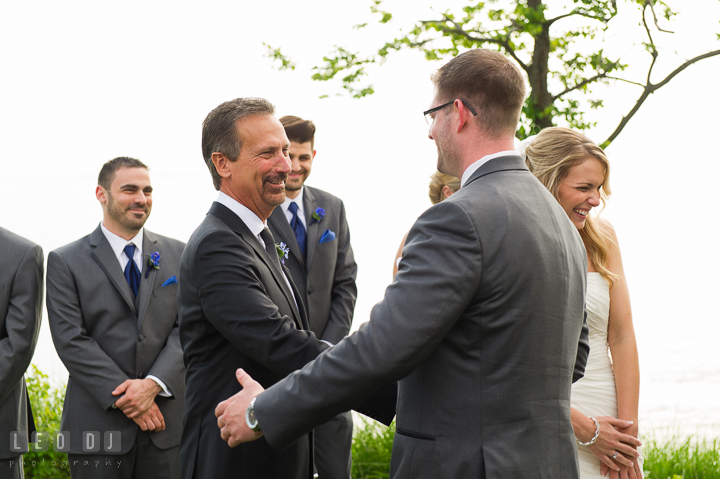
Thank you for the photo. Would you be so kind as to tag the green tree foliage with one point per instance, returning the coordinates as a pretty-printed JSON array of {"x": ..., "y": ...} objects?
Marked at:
[
  {"x": 47, "y": 404},
  {"x": 551, "y": 49}
]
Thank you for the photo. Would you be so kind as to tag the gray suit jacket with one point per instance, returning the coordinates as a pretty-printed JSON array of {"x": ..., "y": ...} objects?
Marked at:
[
  {"x": 327, "y": 279},
  {"x": 21, "y": 292},
  {"x": 481, "y": 326},
  {"x": 104, "y": 336}
]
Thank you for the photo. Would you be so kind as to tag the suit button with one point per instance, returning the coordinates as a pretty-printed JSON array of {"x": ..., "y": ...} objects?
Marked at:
[
  {"x": 141, "y": 376},
  {"x": 141, "y": 338},
  {"x": 310, "y": 290}
]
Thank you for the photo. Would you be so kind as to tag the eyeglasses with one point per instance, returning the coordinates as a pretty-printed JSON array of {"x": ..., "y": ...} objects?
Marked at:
[{"x": 431, "y": 119}]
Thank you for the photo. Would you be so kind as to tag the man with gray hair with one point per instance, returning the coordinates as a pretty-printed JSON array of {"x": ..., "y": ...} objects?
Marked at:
[
  {"x": 238, "y": 306},
  {"x": 483, "y": 323}
]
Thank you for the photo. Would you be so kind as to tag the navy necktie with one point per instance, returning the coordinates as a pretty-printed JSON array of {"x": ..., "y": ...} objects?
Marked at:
[
  {"x": 132, "y": 273},
  {"x": 297, "y": 227}
]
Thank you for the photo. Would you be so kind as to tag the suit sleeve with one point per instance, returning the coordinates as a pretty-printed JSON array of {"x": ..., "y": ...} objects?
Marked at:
[
  {"x": 583, "y": 351},
  {"x": 83, "y": 357},
  {"x": 22, "y": 322},
  {"x": 420, "y": 307},
  {"x": 235, "y": 300},
  {"x": 169, "y": 366},
  {"x": 344, "y": 290}
]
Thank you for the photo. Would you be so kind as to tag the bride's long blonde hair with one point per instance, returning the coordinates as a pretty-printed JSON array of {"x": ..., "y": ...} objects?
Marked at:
[{"x": 549, "y": 157}]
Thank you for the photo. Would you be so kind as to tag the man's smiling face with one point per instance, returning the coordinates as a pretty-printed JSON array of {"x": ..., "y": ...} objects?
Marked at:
[
  {"x": 259, "y": 174},
  {"x": 128, "y": 202}
]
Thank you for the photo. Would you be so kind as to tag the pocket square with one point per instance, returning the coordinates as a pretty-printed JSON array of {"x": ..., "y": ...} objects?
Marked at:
[
  {"x": 171, "y": 280},
  {"x": 326, "y": 237}
]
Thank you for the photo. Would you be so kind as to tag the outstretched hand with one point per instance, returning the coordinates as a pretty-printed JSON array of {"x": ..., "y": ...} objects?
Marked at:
[{"x": 231, "y": 412}]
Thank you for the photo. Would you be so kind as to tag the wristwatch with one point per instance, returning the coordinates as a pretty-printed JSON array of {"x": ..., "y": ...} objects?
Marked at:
[{"x": 250, "y": 418}]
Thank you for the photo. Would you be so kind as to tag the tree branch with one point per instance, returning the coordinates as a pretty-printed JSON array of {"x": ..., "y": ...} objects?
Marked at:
[
  {"x": 580, "y": 85},
  {"x": 652, "y": 9},
  {"x": 580, "y": 13},
  {"x": 503, "y": 42},
  {"x": 652, "y": 88},
  {"x": 626, "y": 81}
]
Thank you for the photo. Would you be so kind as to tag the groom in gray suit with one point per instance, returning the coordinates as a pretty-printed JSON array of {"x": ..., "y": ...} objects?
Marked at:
[
  {"x": 112, "y": 309},
  {"x": 21, "y": 292},
  {"x": 482, "y": 324},
  {"x": 313, "y": 224}
]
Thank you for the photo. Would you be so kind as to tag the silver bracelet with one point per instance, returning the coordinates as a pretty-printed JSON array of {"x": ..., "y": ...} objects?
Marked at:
[{"x": 591, "y": 441}]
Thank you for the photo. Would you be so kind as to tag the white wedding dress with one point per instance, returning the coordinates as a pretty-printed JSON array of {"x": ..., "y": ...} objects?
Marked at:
[{"x": 595, "y": 394}]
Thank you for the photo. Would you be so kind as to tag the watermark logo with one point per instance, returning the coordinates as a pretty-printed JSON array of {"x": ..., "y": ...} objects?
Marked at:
[{"x": 59, "y": 441}]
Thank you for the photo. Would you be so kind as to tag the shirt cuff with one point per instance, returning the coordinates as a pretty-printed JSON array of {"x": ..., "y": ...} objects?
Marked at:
[
  {"x": 326, "y": 342},
  {"x": 165, "y": 391}
]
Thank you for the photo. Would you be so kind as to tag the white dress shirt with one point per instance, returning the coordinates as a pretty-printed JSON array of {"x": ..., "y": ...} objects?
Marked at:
[
  {"x": 474, "y": 167},
  {"x": 254, "y": 224},
  {"x": 118, "y": 246},
  {"x": 301, "y": 210}
]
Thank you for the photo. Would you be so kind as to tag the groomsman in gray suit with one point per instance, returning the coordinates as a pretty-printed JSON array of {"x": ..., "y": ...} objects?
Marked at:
[
  {"x": 112, "y": 307},
  {"x": 21, "y": 292},
  {"x": 312, "y": 223},
  {"x": 483, "y": 324}
]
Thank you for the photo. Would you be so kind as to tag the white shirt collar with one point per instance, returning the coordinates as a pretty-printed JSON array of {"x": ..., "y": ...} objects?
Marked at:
[
  {"x": 474, "y": 167},
  {"x": 251, "y": 220},
  {"x": 118, "y": 245},
  {"x": 298, "y": 199}
]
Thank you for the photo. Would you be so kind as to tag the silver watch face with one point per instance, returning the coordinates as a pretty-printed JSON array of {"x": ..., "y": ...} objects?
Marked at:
[{"x": 251, "y": 418}]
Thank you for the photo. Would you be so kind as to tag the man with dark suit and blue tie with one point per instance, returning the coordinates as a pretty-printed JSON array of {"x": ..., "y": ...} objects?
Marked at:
[
  {"x": 313, "y": 224},
  {"x": 112, "y": 309},
  {"x": 21, "y": 292}
]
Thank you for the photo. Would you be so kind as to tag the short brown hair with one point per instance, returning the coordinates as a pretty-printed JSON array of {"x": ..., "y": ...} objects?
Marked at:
[
  {"x": 107, "y": 172},
  {"x": 219, "y": 130},
  {"x": 490, "y": 82},
  {"x": 299, "y": 130}
]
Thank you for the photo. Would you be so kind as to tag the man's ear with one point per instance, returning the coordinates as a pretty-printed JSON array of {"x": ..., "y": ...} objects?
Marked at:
[
  {"x": 101, "y": 195},
  {"x": 221, "y": 163},
  {"x": 314, "y": 153},
  {"x": 464, "y": 115}
]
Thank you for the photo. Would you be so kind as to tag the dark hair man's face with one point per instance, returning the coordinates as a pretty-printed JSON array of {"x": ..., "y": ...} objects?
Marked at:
[{"x": 301, "y": 158}]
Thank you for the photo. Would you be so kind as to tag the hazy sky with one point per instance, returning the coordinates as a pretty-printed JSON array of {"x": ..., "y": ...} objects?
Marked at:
[{"x": 83, "y": 82}]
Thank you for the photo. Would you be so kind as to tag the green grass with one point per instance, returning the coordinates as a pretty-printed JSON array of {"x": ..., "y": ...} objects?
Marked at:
[
  {"x": 687, "y": 458},
  {"x": 371, "y": 449}
]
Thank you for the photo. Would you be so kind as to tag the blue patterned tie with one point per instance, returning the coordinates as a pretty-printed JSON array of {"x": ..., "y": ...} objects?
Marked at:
[
  {"x": 297, "y": 227},
  {"x": 132, "y": 273}
]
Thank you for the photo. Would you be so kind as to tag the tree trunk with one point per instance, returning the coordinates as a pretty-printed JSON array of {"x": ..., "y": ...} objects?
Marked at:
[{"x": 540, "y": 98}]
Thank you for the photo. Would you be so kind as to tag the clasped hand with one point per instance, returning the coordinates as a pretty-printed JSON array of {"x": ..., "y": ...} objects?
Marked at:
[
  {"x": 138, "y": 403},
  {"x": 617, "y": 435},
  {"x": 231, "y": 412}
]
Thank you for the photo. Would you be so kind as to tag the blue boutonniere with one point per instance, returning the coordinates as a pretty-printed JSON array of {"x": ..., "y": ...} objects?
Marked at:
[
  {"x": 153, "y": 262},
  {"x": 318, "y": 214},
  {"x": 283, "y": 251}
]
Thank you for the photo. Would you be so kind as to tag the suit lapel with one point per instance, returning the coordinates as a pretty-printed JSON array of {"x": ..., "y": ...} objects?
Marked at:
[
  {"x": 105, "y": 257},
  {"x": 313, "y": 229},
  {"x": 146, "y": 284},
  {"x": 285, "y": 234},
  {"x": 237, "y": 225}
]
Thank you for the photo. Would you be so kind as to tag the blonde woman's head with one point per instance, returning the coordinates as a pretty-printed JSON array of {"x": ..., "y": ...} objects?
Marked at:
[{"x": 442, "y": 186}]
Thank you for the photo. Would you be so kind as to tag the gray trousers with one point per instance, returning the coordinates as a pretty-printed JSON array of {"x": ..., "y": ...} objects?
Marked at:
[
  {"x": 143, "y": 461},
  {"x": 11, "y": 468}
]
